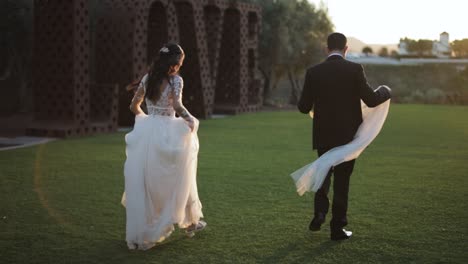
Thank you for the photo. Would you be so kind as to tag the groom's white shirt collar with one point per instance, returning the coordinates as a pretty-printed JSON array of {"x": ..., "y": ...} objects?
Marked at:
[{"x": 336, "y": 54}]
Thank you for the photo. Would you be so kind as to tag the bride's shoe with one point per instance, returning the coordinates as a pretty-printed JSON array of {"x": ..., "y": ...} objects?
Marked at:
[
  {"x": 190, "y": 231},
  {"x": 146, "y": 246},
  {"x": 131, "y": 246}
]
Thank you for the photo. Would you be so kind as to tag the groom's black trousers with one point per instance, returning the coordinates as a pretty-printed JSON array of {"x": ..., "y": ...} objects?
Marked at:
[{"x": 341, "y": 176}]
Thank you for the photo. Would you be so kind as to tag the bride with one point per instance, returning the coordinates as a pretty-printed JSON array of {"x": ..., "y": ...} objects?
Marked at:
[{"x": 162, "y": 150}]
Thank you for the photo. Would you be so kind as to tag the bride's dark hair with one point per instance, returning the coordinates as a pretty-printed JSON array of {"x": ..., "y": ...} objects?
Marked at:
[{"x": 161, "y": 67}]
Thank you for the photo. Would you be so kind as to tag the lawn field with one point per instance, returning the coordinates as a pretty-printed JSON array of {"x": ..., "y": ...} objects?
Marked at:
[{"x": 60, "y": 202}]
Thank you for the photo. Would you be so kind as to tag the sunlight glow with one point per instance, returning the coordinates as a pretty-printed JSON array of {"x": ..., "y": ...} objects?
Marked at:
[
  {"x": 41, "y": 194},
  {"x": 385, "y": 21}
]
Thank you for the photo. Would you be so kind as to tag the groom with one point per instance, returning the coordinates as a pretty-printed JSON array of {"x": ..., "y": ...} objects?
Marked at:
[{"x": 334, "y": 90}]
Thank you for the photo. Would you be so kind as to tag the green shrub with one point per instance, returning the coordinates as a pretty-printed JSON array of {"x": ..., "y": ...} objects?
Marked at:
[{"x": 428, "y": 83}]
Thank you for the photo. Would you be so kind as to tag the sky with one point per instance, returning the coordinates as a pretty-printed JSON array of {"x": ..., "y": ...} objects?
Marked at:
[{"x": 386, "y": 21}]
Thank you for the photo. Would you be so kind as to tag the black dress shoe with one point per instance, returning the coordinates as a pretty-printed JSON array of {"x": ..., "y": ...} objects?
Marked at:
[
  {"x": 341, "y": 235},
  {"x": 317, "y": 222}
]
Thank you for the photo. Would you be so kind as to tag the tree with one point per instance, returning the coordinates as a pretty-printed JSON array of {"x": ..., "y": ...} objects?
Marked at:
[
  {"x": 367, "y": 50},
  {"x": 460, "y": 48},
  {"x": 293, "y": 37},
  {"x": 422, "y": 47},
  {"x": 458, "y": 88},
  {"x": 383, "y": 52}
]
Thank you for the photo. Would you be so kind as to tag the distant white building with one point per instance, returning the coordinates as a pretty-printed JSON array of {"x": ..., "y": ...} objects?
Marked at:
[
  {"x": 403, "y": 48},
  {"x": 440, "y": 48}
]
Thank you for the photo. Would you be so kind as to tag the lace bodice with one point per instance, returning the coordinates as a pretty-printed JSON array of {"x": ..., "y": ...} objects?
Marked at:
[{"x": 171, "y": 93}]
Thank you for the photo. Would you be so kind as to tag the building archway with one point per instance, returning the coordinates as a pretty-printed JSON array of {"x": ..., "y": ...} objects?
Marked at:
[
  {"x": 157, "y": 29},
  {"x": 227, "y": 93},
  {"x": 193, "y": 90}
]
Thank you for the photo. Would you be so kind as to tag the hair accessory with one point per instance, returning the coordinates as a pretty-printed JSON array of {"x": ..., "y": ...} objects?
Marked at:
[{"x": 164, "y": 50}]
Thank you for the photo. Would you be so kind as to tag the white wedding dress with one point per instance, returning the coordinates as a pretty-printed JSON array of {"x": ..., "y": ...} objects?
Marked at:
[
  {"x": 311, "y": 177},
  {"x": 160, "y": 171}
]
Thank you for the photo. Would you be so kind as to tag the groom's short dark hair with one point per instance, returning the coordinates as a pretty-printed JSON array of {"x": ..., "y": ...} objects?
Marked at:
[{"x": 336, "y": 41}]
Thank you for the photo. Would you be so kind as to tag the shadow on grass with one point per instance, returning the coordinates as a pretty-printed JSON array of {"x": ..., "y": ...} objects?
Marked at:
[
  {"x": 310, "y": 247},
  {"x": 116, "y": 251}
]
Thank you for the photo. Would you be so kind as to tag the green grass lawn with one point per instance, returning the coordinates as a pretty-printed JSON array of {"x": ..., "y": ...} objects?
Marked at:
[{"x": 60, "y": 202}]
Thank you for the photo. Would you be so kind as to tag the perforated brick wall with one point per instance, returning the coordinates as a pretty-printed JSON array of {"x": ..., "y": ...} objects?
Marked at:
[{"x": 86, "y": 52}]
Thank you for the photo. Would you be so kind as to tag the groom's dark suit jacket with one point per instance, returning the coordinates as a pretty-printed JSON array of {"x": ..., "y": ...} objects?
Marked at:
[{"x": 334, "y": 89}]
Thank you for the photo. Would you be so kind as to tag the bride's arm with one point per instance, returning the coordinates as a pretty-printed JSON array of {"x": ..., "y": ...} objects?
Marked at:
[
  {"x": 178, "y": 106},
  {"x": 137, "y": 100},
  {"x": 139, "y": 97},
  {"x": 184, "y": 113}
]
